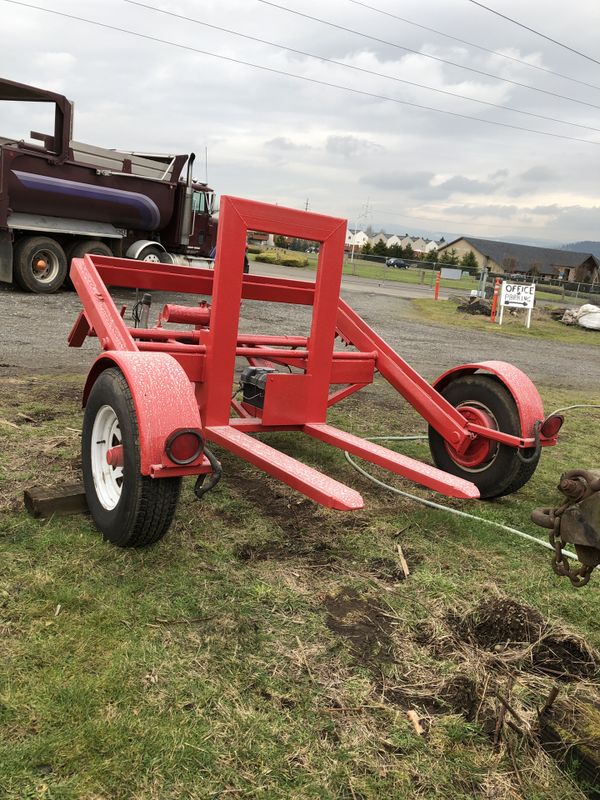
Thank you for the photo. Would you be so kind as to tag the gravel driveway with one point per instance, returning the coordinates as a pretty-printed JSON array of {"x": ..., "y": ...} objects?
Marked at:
[{"x": 34, "y": 328}]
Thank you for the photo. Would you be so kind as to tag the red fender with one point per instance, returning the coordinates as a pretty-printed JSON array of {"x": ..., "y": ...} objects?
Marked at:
[
  {"x": 526, "y": 396},
  {"x": 163, "y": 397}
]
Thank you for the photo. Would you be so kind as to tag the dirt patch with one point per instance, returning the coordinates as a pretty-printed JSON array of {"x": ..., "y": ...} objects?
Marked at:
[
  {"x": 292, "y": 513},
  {"x": 314, "y": 552},
  {"x": 519, "y": 635},
  {"x": 499, "y": 622},
  {"x": 362, "y": 623},
  {"x": 35, "y": 417},
  {"x": 462, "y": 693}
]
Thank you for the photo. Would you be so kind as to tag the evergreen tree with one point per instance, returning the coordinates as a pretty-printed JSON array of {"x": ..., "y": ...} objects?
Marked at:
[{"x": 469, "y": 262}]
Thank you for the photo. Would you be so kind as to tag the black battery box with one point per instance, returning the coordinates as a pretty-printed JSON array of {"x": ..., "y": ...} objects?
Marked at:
[{"x": 253, "y": 382}]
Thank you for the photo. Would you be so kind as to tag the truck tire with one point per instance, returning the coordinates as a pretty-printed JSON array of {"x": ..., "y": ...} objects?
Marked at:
[
  {"x": 129, "y": 509},
  {"x": 80, "y": 247},
  {"x": 39, "y": 264},
  {"x": 153, "y": 254}
]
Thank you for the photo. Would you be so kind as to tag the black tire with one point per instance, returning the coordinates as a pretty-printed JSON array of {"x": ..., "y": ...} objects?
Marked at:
[
  {"x": 145, "y": 507},
  {"x": 31, "y": 252},
  {"x": 79, "y": 248},
  {"x": 501, "y": 472}
]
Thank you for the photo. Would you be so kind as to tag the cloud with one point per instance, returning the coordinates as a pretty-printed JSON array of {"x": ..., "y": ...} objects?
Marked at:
[
  {"x": 538, "y": 174},
  {"x": 399, "y": 181},
  {"x": 283, "y": 143},
  {"x": 350, "y": 146},
  {"x": 460, "y": 184}
]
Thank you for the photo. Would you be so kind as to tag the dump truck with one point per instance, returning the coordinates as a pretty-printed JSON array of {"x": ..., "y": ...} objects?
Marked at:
[{"x": 61, "y": 199}]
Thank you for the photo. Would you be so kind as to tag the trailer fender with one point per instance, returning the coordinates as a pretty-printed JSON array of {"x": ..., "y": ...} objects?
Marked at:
[
  {"x": 163, "y": 397},
  {"x": 526, "y": 396}
]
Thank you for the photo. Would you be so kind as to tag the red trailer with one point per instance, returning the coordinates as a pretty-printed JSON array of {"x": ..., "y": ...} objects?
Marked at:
[{"x": 158, "y": 395}]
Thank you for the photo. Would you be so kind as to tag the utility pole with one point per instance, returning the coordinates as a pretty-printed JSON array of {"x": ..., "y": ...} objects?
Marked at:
[
  {"x": 362, "y": 216},
  {"x": 306, "y": 205}
]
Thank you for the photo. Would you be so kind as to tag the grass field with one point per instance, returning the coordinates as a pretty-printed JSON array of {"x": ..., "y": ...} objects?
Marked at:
[
  {"x": 268, "y": 648},
  {"x": 542, "y": 325},
  {"x": 379, "y": 272},
  {"x": 423, "y": 277}
]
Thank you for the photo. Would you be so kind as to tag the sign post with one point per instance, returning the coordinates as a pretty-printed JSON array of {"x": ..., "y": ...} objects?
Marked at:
[{"x": 517, "y": 295}]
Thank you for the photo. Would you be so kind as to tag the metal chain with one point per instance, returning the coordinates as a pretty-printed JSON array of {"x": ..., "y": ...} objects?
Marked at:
[{"x": 578, "y": 577}]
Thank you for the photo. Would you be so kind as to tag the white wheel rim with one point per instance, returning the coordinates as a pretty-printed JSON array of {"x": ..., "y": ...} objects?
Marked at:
[
  {"x": 152, "y": 257},
  {"x": 108, "y": 480}
]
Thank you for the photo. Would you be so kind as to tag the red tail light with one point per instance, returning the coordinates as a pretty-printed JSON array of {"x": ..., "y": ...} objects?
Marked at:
[
  {"x": 184, "y": 446},
  {"x": 551, "y": 426}
]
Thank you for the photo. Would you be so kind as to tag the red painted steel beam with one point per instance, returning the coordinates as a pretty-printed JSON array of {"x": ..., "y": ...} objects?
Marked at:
[
  {"x": 236, "y": 217},
  {"x": 427, "y": 401},
  {"x": 416, "y": 471},
  {"x": 80, "y": 331},
  {"x": 253, "y": 339},
  {"x": 99, "y": 307},
  {"x": 191, "y": 280},
  {"x": 346, "y": 391},
  {"x": 299, "y": 476}
]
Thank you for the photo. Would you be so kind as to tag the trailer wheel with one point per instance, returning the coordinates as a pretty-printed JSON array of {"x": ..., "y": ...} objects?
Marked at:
[
  {"x": 130, "y": 509},
  {"x": 494, "y": 468},
  {"x": 40, "y": 264}
]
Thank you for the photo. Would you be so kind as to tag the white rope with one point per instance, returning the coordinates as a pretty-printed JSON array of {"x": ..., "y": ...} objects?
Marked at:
[{"x": 439, "y": 506}]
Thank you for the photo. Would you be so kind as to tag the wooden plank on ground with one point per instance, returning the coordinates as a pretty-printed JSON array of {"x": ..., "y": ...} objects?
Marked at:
[{"x": 44, "y": 501}]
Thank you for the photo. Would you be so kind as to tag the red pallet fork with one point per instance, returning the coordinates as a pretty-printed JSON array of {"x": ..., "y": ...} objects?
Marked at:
[{"x": 156, "y": 395}]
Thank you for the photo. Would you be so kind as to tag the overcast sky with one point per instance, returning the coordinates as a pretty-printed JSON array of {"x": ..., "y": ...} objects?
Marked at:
[{"x": 284, "y": 140}]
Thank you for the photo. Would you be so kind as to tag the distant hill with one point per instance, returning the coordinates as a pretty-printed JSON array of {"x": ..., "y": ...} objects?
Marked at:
[{"x": 584, "y": 247}]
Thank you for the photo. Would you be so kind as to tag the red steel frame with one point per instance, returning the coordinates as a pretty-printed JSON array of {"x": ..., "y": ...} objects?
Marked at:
[{"x": 206, "y": 354}]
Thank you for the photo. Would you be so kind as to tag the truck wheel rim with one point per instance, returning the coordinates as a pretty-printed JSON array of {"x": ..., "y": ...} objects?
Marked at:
[
  {"x": 152, "y": 257},
  {"x": 481, "y": 453},
  {"x": 44, "y": 266},
  {"x": 108, "y": 480}
]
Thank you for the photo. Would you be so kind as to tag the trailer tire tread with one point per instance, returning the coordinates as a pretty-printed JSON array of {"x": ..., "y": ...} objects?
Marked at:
[
  {"x": 506, "y": 473},
  {"x": 146, "y": 508}
]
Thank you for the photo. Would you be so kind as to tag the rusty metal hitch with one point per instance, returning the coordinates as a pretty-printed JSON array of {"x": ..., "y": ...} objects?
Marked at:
[{"x": 576, "y": 521}]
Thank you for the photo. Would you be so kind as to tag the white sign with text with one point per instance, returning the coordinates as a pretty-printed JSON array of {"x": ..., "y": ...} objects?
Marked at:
[{"x": 517, "y": 295}]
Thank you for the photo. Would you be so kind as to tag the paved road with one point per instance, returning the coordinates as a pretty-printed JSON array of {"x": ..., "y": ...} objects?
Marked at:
[{"x": 34, "y": 328}]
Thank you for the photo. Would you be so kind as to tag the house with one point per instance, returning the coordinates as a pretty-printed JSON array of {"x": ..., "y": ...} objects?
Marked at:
[
  {"x": 355, "y": 238},
  {"x": 419, "y": 244},
  {"x": 394, "y": 240},
  {"x": 380, "y": 237},
  {"x": 431, "y": 245},
  {"x": 509, "y": 258}
]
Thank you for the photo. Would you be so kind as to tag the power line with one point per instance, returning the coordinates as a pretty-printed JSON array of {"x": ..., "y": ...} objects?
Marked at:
[
  {"x": 477, "y": 46},
  {"x": 275, "y": 71},
  {"x": 533, "y": 30},
  {"x": 355, "y": 68},
  {"x": 425, "y": 55}
]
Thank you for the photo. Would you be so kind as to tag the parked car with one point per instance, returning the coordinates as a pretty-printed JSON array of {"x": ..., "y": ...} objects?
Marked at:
[{"x": 398, "y": 263}]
